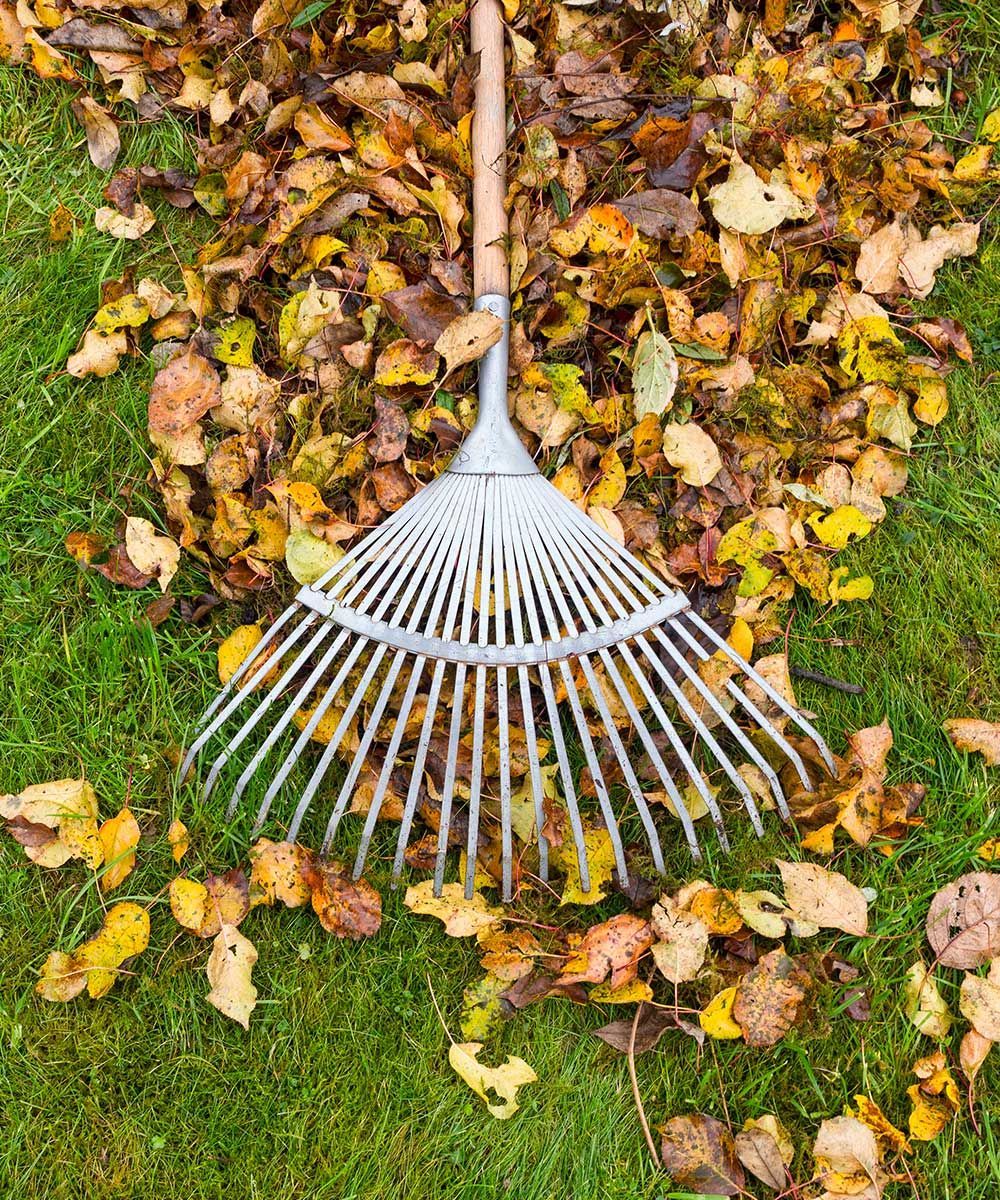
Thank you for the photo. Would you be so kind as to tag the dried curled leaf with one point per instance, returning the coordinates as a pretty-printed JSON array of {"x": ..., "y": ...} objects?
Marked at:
[{"x": 229, "y": 968}]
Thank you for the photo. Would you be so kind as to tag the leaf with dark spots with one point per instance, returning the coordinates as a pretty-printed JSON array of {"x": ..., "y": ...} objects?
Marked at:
[
  {"x": 80, "y": 34},
  {"x": 182, "y": 392},
  {"x": 392, "y": 428},
  {"x": 347, "y": 908},
  {"x": 422, "y": 312},
  {"x": 699, "y": 1154},
  {"x": 770, "y": 997},
  {"x": 661, "y": 213},
  {"x": 393, "y": 487},
  {"x": 963, "y": 923},
  {"x": 121, "y": 190}
]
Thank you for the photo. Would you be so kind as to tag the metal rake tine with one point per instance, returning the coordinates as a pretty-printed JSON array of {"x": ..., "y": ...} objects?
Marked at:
[
  {"x": 740, "y": 696},
  {"x": 458, "y": 693},
  {"x": 439, "y": 581},
  {"x": 461, "y": 566},
  {"x": 263, "y": 705},
  {"x": 475, "y": 783},
  {"x": 330, "y": 693},
  {"x": 524, "y": 687},
  {"x": 301, "y": 696},
  {"x": 530, "y": 583},
  {"x": 587, "y": 570},
  {"x": 361, "y": 754},
  {"x": 624, "y": 762},
  {"x": 264, "y": 669},
  {"x": 775, "y": 697},
  {"x": 233, "y": 682},
  {"x": 404, "y": 567},
  {"x": 448, "y": 790},
  {"x": 544, "y": 555},
  {"x": 503, "y": 715},
  {"x": 584, "y": 570}
]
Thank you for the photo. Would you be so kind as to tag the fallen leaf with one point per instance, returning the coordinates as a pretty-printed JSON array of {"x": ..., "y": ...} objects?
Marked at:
[
  {"x": 824, "y": 898},
  {"x": 716, "y": 1018},
  {"x": 68, "y": 807},
  {"x": 770, "y": 997},
  {"x": 600, "y": 856},
  {"x": 99, "y": 354},
  {"x": 117, "y": 225},
  {"x": 654, "y": 375},
  {"x": 963, "y": 922},
  {"x": 847, "y": 1158},
  {"x": 682, "y": 941},
  {"x": 151, "y": 553},
  {"x": 887, "y": 1136},
  {"x": 403, "y": 363},
  {"x": 467, "y": 338},
  {"x": 652, "y": 1025},
  {"x": 103, "y": 142},
  {"x": 924, "y": 1004},
  {"x": 229, "y": 968},
  {"x": 119, "y": 838},
  {"x": 744, "y": 203},
  {"x": 693, "y": 452},
  {"x": 276, "y": 874},
  {"x": 979, "y": 1001},
  {"x": 614, "y": 947},
  {"x": 97, "y": 963},
  {"x": 177, "y": 837},
  {"x": 934, "y": 1098},
  {"x": 766, "y": 1151},
  {"x": 346, "y": 907},
  {"x": 504, "y": 1080},
  {"x": 461, "y": 917},
  {"x": 699, "y": 1154},
  {"x": 978, "y": 737}
]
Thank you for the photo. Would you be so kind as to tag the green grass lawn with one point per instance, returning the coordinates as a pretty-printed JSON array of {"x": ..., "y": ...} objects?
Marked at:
[{"x": 341, "y": 1088}]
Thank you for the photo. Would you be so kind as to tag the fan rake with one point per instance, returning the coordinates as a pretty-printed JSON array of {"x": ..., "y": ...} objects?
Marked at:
[{"x": 490, "y": 599}]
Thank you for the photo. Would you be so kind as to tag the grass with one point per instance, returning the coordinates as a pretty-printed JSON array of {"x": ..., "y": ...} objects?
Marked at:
[{"x": 341, "y": 1089}]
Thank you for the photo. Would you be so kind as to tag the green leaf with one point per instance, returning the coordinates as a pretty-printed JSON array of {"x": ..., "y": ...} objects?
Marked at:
[
  {"x": 654, "y": 374},
  {"x": 702, "y": 353},
  {"x": 559, "y": 199},
  {"x": 310, "y": 13}
]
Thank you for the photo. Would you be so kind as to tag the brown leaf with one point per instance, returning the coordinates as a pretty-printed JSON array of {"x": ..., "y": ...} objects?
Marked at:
[
  {"x": 963, "y": 923},
  {"x": 770, "y": 998},
  {"x": 824, "y": 897},
  {"x": 120, "y": 569},
  {"x": 183, "y": 391},
  {"x": 613, "y": 947},
  {"x": 699, "y": 1154},
  {"x": 393, "y": 487},
  {"x": 652, "y": 1025},
  {"x": 347, "y": 908},
  {"x": 392, "y": 428},
  {"x": 661, "y": 213},
  {"x": 758, "y": 1151},
  {"x": 103, "y": 142},
  {"x": 421, "y": 311},
  {"x": 981, "y": 737}
]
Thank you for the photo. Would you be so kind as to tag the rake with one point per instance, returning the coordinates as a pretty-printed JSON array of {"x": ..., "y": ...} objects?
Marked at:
[{"x": 491, "y": 598}]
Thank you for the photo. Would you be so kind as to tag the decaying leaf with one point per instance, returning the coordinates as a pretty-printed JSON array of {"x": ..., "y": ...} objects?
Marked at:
[
  {"x": 504, "y": 1080},
  {"x": 229, "y": 967},
  {"x": 467, "y": 338},
  {"x": 925, "y": 1006},
  {"x": 699, "y": 1154},
  {"x": 177, "y": 836},
  {"x": 982, "y": 737},
  {"x": 346, "y": 907},
  {"x": 824, "y": 898},
  {"x": 276, "y": 873},
  {"x": 766, "y": 1150},
  {"x": 769, "y": 999},
  {"x": 963, "y": 922},
  {"x": 98, "y": 962},
  {"x": 461, "y": 917},
  {"x": 934, "y": 1098},
  {"x": 67, "y": 808}
]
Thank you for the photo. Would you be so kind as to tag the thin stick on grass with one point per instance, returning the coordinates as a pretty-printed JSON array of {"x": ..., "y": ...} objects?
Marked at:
[{"x": 635, "y": 1087}]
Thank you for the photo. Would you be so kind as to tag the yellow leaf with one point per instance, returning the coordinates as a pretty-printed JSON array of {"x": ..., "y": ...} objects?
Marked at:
[
  {"x": 935, "y": 1098},
  {"x": 504, "y": 1080},
  {"x": 610, "y": 487},
  {"x": 991, "y": 126},
  {"x": 842, "y": 588},
  {"x": 276, "y": 873},
  {"x": 151, "y": 553},
  {"x": 990, "y": 850},
  {"x": 931, "y": 404},
  {"x": 600, "y": 860},
  {"x": 228, "y": 968},
  {"x": 177, "y": 836},
  {"x": 124, "y": 934},
  {"x": 66, "y": 806},
  {"x": 887, "y": 1135},
  {"x": 461, "y": 917},
  {"x": 119, "y": 838},
  {"x": 636, "y": 992},
  {"x": 403, "y": 363},
  {"x": 973, "y": 735},
  {"x": 609, "y": 229},
  {"x": 571, "y": 321},
  {"x": 569, "y": 481},
  {"x": 870, "y": 351},
  {"x": 189, "y": 901},
  {"x": 717, "y": 1016},
  {"x": 692, "y": 451},
  {"x": 836, "y": 529},
  {"x": 235, "y": 649},
  {"x": 309, "y": 557},
  {"x": 467, "y": 338},
  {"x": 130, "y": 310},
  {"x": 924, "y": 1004},
  {"x": 384, "y": 277},
  {"x": 235, "y": 342},
  {"x": 741, "y": 638}
]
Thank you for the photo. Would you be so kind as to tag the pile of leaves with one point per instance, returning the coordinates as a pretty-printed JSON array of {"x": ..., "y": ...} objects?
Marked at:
[{"x": 718, "y": 224}]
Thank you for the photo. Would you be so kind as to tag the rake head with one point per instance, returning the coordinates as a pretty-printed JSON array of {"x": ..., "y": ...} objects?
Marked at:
[{"x": 490, "y": 611}]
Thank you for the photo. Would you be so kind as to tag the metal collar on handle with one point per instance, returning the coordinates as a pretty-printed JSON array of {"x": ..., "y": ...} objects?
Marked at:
[{"x": 493, "y": 447}]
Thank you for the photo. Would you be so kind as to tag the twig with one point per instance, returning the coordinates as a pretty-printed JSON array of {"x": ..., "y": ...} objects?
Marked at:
[
  {"x": 635, "y": 1087},
  {"x": 853, "y": 689}
]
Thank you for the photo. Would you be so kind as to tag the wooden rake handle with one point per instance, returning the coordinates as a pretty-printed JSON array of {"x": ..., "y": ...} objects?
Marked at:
[{"x": 489, "y": 154}]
